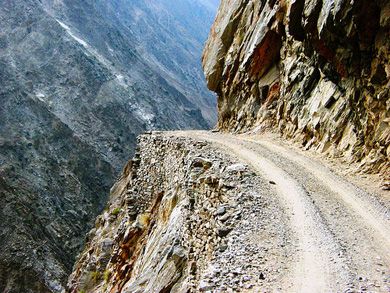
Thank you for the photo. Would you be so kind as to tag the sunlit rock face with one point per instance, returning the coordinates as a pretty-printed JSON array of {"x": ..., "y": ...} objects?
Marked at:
[
  {"x": 316, "y": 71},
  {"x": 78, "y": 81}
]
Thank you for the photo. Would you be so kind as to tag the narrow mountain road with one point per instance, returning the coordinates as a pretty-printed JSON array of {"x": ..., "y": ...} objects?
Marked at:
[{"x": 341, "y": 233}]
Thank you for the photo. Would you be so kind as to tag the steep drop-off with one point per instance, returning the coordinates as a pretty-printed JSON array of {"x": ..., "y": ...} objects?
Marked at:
[
  {"x": 170, "y": 222},
  {"x": 79, "y": 80},
  {"x": 317, "y": 71},
  {"x": 208, "y": 212},
  {"x": 217, "y": 212}
]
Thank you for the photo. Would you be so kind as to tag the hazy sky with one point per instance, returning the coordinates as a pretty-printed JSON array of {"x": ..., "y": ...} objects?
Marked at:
[{"x": 213, "y": 4}]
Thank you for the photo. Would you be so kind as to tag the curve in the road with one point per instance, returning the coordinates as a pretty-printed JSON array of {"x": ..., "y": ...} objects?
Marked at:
[
  {"x": 342, "y": 233},
  {"x": 372, "y": 215},
  {"x": 315, "y": 269}
]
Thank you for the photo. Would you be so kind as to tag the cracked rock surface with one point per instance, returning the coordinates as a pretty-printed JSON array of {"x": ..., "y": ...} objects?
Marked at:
[{"x": 315, "y": 71}]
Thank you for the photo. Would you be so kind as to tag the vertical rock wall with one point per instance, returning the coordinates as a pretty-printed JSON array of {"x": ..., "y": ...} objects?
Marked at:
[{"x": 317, "y": 71}]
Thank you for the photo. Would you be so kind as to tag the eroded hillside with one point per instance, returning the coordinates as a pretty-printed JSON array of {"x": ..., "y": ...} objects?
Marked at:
[{"x": 78, "y": 82}]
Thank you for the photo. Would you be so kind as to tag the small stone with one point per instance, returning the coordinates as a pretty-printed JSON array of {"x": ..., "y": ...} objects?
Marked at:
[
  {"x": 237, "y": 215},
  {"x": 178, "y": 252},
  {"x": 220, "y": 211},
  {"x": 224, "y": 218},
  {"x": 205, "y": 286},
  {"x": 236, "y": 168},
  {"x": 224, "y": 231},
  {"x": 223, "y": 248},
  {"x": 201, "y": 163},
  {"x": 386, "y": 186}
]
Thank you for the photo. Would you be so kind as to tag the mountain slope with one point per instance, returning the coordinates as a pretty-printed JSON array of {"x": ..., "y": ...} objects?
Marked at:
[
  {"x": 215, "y": 212},
  {"x": 75, "y": 91},
  {"x": 182, "y": 27}
]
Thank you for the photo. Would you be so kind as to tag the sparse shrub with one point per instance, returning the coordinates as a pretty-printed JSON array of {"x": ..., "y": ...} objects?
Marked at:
[
  {"x": 116, "y": 211},
  {"x": 106, "y": 276},
  {"x": 95, "y": 276}
]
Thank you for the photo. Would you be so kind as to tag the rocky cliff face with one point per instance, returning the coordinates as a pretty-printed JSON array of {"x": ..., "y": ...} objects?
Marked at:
[
  {"x": 170, "y": 218},
  {"x": 317, "y": 71},
  {"x": 186, "y": 218},
  {"x": 78, "y": 81}
]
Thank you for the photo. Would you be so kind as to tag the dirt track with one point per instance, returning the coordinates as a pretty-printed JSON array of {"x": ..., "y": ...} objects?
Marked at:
[{"x": 341, "y": 233}]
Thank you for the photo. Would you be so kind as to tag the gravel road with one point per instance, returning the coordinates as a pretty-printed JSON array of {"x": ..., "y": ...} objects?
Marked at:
[{"x": 339, "y": 233}]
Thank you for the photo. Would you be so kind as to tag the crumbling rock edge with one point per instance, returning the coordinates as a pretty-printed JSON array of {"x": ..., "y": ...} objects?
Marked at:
[{"x": 170, "y": 223}]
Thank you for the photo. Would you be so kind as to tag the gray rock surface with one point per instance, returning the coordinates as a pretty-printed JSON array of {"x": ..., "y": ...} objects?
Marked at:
[{"x": 78, "y": 81}]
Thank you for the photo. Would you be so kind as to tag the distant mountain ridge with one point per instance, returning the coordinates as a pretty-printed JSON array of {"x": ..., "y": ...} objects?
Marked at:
[{"x": 79, "y": 80}]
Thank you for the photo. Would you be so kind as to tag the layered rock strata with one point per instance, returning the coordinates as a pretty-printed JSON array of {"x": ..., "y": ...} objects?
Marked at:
[
  {"x": 317, "y": 71},
  {"x": 178, "y": 221}
]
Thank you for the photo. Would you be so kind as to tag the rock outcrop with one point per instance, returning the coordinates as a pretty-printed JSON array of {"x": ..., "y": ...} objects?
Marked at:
[
  {"x": 317, "y": 71},
  {"x": 175, "y": 223}
]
